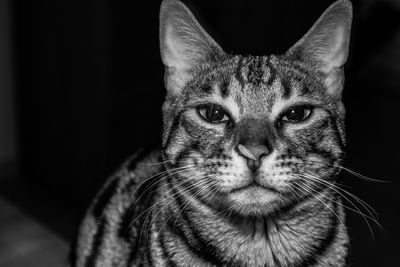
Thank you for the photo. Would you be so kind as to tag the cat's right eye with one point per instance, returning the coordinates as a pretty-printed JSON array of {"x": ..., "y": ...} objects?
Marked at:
[{"x": 213, "y": 113}]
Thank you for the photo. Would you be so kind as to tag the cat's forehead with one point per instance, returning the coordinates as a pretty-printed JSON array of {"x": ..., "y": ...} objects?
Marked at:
[{"x": 258, "y": 83}]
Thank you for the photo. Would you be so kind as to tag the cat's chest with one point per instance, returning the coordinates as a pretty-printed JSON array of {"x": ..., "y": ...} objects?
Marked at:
[{"x": 257, "y": 243}]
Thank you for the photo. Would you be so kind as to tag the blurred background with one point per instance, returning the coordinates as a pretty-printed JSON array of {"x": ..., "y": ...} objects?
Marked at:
[{"x": 81, "y": 87}]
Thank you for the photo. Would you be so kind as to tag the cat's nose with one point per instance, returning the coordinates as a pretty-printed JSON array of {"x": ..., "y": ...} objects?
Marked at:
[{"x": 253, "y": 154}]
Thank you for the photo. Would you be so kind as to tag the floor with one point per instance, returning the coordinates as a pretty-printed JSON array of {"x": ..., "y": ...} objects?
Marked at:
[
  {"x": 25, "y": 242},
  {"x": 36, "y": 224}
]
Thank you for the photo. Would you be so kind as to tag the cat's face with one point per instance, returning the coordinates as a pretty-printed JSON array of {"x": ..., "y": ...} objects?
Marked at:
[{"x": 252, "y": 134}]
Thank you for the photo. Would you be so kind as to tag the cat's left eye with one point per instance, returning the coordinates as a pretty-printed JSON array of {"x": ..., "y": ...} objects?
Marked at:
[
  {"x": 296, "y": 114},
  {"x": 213, "y": 113}
]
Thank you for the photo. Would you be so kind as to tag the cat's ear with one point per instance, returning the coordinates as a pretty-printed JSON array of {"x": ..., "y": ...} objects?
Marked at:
[
  {"x": 326, "y": 44},
  {"x": 184, "y": 44}
]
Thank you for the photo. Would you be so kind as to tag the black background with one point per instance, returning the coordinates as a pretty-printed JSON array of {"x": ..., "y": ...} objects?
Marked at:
[{"x": 90, "y": 88}]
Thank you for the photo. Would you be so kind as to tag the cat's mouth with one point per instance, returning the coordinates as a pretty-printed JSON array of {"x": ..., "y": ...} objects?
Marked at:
[{"x": 254, "y": 185}]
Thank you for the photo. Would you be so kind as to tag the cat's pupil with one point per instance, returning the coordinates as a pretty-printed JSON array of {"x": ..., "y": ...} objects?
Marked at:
[
  {"x": 214, "y": 113},
  {"x": 295, "y": 114}
]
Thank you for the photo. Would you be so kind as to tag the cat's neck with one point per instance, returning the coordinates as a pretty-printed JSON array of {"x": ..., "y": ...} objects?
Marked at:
[{"x": 307, "y": 229}]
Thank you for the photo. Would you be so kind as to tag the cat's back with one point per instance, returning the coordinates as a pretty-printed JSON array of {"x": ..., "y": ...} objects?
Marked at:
[{"x": 116, "y": 217}]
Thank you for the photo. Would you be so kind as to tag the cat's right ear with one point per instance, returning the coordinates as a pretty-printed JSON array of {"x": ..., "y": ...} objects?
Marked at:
[{"x": 184, "y": 44}]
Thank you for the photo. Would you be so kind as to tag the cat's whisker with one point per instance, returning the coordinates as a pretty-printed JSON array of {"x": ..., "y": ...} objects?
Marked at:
[
  {"x": 161, "y": 199},
  {"x": 155, "y": 175},
  {"x": 353, "y": 172},
  {"x": 356, "y": 210},
  {"x": 168, "y": 174},
  {"x": 307, "y": 189},
  {"x": 339, "y": 190},
  {"x": 154, "y": 164},
  {"x": 294, "y": 193},
  {"x": 359, "y": 175},
  {"x": 186, "y": 188},
  {"x": 149, "y": 209},
  {"x": 310, "y": 190},
  {"x": 183, "y": 206},
  {"x": 187, "y": 202},
  {"x": 373, "y": 214},
  {"x": 177, "y": 184}
]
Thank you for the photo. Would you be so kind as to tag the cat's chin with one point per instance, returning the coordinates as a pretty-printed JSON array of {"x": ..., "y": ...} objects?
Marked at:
[{"x": 254, "y": 201}]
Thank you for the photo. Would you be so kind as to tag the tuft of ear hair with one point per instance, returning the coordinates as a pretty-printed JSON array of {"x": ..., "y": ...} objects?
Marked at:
[
  {"x": 184, "y": 44},
  {"x": 326, "y": 45}
]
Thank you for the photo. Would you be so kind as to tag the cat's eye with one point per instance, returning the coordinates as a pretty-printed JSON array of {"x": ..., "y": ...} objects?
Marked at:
[
  {"x": 296, "y": 114},
  {"x": 213, "y": 113}
]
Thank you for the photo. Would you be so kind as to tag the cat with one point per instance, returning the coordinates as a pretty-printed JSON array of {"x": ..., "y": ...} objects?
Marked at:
[{"x": 249, "y": 157}]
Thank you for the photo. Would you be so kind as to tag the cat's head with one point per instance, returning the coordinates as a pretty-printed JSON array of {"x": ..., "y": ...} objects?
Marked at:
[{"x": 253, "y": 133}]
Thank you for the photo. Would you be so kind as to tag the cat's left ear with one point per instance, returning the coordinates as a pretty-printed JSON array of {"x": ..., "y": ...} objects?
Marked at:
[
  {"x": 184, "y": 44},
  {"x": 326, "y": 45}
]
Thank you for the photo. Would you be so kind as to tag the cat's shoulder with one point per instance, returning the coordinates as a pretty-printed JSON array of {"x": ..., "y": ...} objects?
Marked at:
[
  {"x": 117, "y": 200},
  {"x": 140, "y": 170}
]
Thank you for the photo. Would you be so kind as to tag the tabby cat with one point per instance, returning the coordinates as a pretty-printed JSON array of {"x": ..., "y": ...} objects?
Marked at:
[{"x": 250, "y": 151}]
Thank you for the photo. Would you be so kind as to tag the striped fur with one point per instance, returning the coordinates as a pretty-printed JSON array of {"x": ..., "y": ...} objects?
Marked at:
[{"x": 197, "y": 201}]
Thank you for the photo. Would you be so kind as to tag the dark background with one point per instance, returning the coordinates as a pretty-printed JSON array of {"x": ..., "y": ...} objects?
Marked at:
[{"x": 88, "y": 88}]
